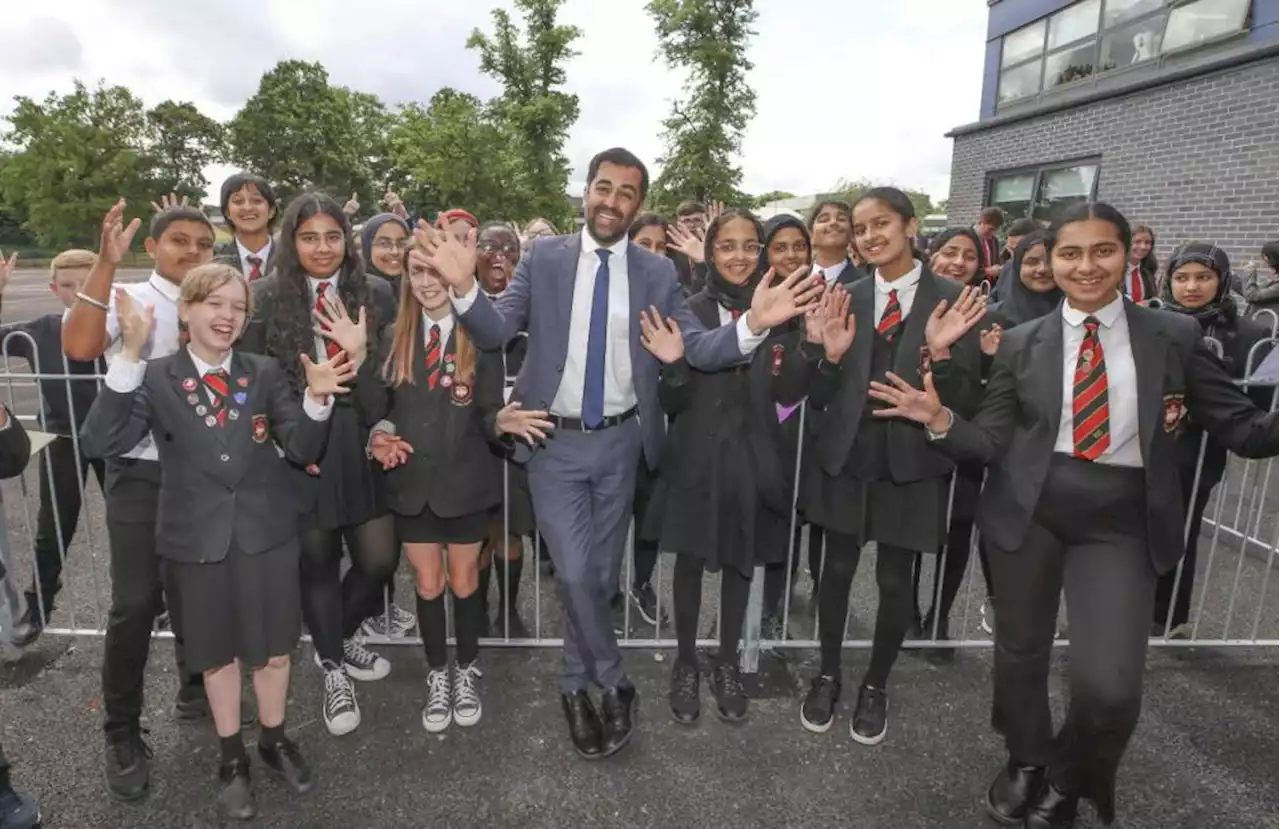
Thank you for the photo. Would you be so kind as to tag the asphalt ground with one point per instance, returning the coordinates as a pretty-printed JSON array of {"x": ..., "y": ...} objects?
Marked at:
[{"x": 1205, "y": 753}]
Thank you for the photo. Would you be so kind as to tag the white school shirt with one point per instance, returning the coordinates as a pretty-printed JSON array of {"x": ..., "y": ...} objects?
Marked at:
[
  {"x": 162, "y": 296},
  {"x": 1122, "y": 383},
  {"x": 832, "y": 272},
  {"x": 263, "y": 254},
  {"x": 905, "y": 285}
]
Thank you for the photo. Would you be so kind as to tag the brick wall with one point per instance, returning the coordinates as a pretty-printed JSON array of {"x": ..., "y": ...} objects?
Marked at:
[{"x": 1196, "y": 159}]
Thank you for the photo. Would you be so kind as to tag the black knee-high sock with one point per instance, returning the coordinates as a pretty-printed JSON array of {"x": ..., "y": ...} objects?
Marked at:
[
  {"x": 485, "y": 574},
  {"x": 686, "y": 595},
  {"x": 843, "y": 553},
  {"x": 735, "y": 589},
  {"x": 507, "y": 574},
  {"x": 893, "y": 615},
  {"x": 432, "y": 625},
  {"x": 467, "y": 613},
  {"x": 816, "y": 537},
  {"x": 232, "y": 748}
]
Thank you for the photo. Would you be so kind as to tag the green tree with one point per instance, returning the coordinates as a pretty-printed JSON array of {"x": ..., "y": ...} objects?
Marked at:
[
  {"x": 850, "y": 191},
  {"x": 765, "y": 198},
  {"x": 452, "y": 154},
  {"x": 181, "y": 143},
  {"x": 703, "y": 134},
  {"x": 301, "y": 133},
  {"x": 533, "y": 109},
  {"x": 71, "y": 157}
]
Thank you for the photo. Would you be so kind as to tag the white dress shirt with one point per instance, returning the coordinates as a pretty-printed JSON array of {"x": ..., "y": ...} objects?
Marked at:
[
  {"x": 905, "y": 285},
  {"x": 263, "y": 254},
  {"x": 162, "y": 296},
  {"x": 832, "y": 272},
  {"x": 331, "y": 294},
  {"x": 125, "y": 376},
  {"x": 1122, "y": 383},
  {"x": 619, "y": 388},
  {"x": 445, "y": 324}
]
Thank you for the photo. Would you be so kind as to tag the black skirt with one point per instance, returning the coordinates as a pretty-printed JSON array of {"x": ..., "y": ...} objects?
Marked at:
[
  {"x": 519, "y": 502},
  {"x": 349, "y": 491},
  {"x": 684, "y": 523},
  {"x": 912, "y": 516},
  {"x": 245, "y": 607},
  {"x": 428, "y": 528}
]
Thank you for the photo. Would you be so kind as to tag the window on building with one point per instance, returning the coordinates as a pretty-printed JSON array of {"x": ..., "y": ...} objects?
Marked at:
[
  {"x": 1043, "y": 193},
  {"x": 1093, "y": 36}
]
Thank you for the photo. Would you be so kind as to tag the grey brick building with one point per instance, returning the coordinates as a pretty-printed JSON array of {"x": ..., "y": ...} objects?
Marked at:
[{"x": 1167, "y": 109}]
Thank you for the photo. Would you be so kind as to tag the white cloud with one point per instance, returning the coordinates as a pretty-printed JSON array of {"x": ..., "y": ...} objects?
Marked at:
[{"x": 843, "y": 89}]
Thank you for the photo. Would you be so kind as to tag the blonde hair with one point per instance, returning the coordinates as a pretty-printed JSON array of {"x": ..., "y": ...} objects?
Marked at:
[
  {"x": 398, "y": 369},
  {"x": 73, "y": 259},
  {"x": 201, "y": 282}
]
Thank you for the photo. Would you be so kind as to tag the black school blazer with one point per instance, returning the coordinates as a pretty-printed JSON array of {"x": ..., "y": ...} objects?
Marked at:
[
  {"x": 838, "y": 393},
  {"x": 1016, "y": 427}
]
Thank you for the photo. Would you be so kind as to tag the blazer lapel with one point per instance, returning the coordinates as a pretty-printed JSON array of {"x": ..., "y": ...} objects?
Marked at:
[
  {"x": 907, "y": 360},
  {"x": 567, "y": 270},
  {"x": 637, "y": 291},
  {"x": 1149, "y": 349},
  {"x": 240, "y": 388},
  {"x": 1046, "y": 367},
  {"x": 864, "y": 315},
  {"x": 189, "y": 386}
]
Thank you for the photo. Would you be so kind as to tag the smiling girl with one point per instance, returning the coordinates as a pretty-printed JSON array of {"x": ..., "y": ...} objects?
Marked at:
[
  {"x": 340, "y": 497},
  {"x": 953, "y": 254},
  {"x": 1079, "y": 428},
  {"x": 225, "y": 522},
  {"x": 249, "y": 206}
]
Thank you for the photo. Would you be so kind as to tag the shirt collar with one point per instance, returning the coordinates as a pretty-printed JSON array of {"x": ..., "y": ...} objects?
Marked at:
[
  {"x": 328, "y": 280},
  {"x": 445, "y": 325},
  {"x": 263, "y": 254},
  {"x": 1107, "y": 314},
  {"x": 907, "y": 280},
  {"x": 590, "y": 245},
  {"x": 164, "y": 287},
  {"x": 203, "y": 368}
]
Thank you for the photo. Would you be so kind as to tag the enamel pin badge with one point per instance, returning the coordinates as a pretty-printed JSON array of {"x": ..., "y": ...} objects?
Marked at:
[{"x": 259, "y": 428}]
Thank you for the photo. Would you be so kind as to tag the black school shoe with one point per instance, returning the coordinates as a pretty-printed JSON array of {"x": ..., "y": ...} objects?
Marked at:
[
  {"x": 686, "y": 688},
  {"x": 128, "y": 769},
  {"x": 235, "y": 797},
  {"x": 871, "y": 717},
  {"x": 731, "y": 697},
  {"x": 819, "y": 705},
  {"x": 285, "y": 761}
]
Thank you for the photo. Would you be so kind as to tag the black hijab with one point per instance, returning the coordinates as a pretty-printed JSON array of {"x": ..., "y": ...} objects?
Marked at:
[
  {"x": 730, "y": 296},
  {"x": 777, "y": 223},
  {"x": 950, "y": 233},
  {"x": 367, "y": 234},
  {"x": 1023, "y": 304},
  {"x": 1221, "y": 310}
]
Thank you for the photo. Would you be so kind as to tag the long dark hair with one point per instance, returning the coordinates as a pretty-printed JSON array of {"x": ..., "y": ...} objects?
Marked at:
[
  {"x": 290, "y": 330},
  {"x": 1092, "y": 210}
]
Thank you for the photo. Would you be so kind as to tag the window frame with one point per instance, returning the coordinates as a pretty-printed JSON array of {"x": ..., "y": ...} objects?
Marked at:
[
  {"x": 1100, "y": 34},
  {"x": 1038, "y": 173}
]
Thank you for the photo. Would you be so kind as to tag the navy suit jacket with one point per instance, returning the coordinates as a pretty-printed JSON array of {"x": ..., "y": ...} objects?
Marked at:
[{"x": 539, "y": 301}]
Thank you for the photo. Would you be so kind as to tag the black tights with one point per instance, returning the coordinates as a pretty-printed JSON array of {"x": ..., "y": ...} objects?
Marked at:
[
  {"x": 951, "y": 571},
  {"x": 334, "y": 608},
  {"x": 686, "y": 589},
  {"x": 893, "y": 615}
]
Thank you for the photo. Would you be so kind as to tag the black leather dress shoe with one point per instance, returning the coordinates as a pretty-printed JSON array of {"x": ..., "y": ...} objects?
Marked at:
[
  {"x": 235, "y": 798},
  {"x": 285, "y": 760},
  {"x": 1052, "y": 810},
  {"x": 617, "y": 706},
  {"x": 28, "y": 627},
  {"x": 1015, "y": 788},
  {"x": 584, "y": 724}
]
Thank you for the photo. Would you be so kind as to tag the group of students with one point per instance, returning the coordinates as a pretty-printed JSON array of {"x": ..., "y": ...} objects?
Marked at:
[{"x": 292, "y": 376}]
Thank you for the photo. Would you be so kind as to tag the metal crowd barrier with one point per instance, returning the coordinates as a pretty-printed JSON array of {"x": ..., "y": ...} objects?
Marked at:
[{"x": 1233, "y": 604}]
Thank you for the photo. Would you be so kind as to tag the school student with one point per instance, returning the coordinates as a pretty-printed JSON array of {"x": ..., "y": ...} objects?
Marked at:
[
  {"x": 1140, "y": 281},
  {"x": 1262, "y": 289},
  {"x": 723, "y": 498},
  {"x": 502, "y": 560},
  {"x": 1079, "y": 427},
  {"x": 226, "y": 525},
  {"x": 440, "y": 396},
  {"x": 17, "y": 811},
  {"x": 1019, "y": 229},
  {"x": 249, "y": 206},
  {"x": 651, "y": 232},
  {"x": 180, "y": 238},
  {"x": 1198, "y": 285},
  {"x": 989, "y": 222},
  {"x": 832, "y": 235},
  {"x": 63, "y": 469},
  {"x": 340, "y": 497},
  {"x": 953, "y": 254},
  {"x": 868, "y": 479}
]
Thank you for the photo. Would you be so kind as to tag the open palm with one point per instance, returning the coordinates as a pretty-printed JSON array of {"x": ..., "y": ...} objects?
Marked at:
[{"x": 949, "y": 322}]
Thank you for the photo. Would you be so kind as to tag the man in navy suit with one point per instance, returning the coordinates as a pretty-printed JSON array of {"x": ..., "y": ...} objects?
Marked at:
[{"x": 581, "y": 299}]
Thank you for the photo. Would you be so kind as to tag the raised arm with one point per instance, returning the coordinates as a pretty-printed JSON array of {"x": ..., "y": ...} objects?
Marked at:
[
  {"x": 491, "y": 324},
  {"x": 121, "y": 415},
  {"x": 86, "y": 334},
  {"x": 1225, "y": 410}
]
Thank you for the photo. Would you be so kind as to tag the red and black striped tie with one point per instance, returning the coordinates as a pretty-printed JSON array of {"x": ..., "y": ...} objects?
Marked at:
[
  {"x": 1090, "y": 415},
  {"x": 891, "y": 319},
  {"x": 217, "y": 382},
  {"x": 433, "y": 357},
  {"x": 331, "y": 348}
]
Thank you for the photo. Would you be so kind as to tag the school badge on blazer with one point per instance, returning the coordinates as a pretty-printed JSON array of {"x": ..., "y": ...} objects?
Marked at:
[
  {"x": 776, "y": 367},
  {"x": 460, "y": 394},
  {"x": 1175, "y": 411},
  {"x": 926, "y": 361},
  {"x": 259, "y": 428}
]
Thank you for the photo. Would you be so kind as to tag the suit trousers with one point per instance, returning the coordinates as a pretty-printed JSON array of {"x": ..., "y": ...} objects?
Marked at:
[
  {"x": 1087, "y": 539},
  {"x": 582, "y": 485},
  {"x": 60, "y": 499},
  {"x": 137, "y": 595}
]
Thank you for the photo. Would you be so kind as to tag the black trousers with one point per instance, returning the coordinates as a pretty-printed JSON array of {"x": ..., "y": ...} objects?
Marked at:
[
  {"x": 137, "y": 592},
  {"x": 1195, "y": 504},
  {"x": 60, "y": 498},
  {"x": 1088, "y": 540},
  {"x": 4, "y": 770},
  {"x": 334, "y": 607}
]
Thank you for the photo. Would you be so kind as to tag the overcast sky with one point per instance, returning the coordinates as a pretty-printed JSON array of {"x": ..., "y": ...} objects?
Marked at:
[{"x": 844, "y": 88}]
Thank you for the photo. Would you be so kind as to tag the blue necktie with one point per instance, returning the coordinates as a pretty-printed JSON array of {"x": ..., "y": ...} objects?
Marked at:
[{"x": 597, "y": 336}]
